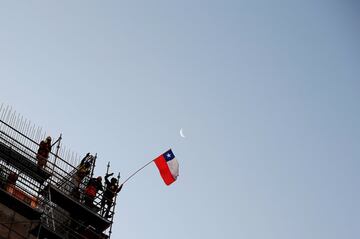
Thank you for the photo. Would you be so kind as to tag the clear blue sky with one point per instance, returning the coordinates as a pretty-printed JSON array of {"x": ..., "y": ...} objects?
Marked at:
[{"x": 267, "y": 93}]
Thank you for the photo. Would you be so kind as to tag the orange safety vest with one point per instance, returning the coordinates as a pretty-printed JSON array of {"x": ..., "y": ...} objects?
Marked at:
[{"x": 90, "y": 191}]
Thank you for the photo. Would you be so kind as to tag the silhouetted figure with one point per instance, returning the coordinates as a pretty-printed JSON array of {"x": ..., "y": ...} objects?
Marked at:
[
  {"x": 94, "y": 185},
  {"x": 43, "y": 152},
  {"x": 112, "y": 188},
  {"x": 83, "y": 171},
  {"x": 11, "y": 180}
]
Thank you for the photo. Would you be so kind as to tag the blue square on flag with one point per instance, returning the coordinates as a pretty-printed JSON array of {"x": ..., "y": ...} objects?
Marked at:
[{"x": 168, "y": 155}]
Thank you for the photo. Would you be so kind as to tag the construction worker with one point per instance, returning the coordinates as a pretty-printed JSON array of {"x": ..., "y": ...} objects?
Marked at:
[
  {"x": 43, "y": 152},
  {"x": 11, "y": 180},
  {"x": 112, "y": 188},
  {"x": 82, "y": 171},
  {"x": 94, "y": 185}
]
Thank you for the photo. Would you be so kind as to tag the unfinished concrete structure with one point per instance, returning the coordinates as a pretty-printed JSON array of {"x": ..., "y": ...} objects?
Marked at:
[{"x": 41, "y": 204}]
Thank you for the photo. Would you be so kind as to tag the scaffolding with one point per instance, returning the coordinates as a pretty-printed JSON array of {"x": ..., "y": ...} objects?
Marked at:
[{"x": 44, "y": 198}]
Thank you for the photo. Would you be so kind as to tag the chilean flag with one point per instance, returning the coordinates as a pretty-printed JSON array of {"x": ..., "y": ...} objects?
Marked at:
[{"x": 168, "y": 167}]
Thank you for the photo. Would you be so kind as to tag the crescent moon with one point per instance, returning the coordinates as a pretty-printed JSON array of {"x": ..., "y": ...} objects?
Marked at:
[{"x": 182, "y": 133}]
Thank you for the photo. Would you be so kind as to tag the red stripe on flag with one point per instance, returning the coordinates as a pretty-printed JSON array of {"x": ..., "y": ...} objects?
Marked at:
[{"x": 164, "y": 170}]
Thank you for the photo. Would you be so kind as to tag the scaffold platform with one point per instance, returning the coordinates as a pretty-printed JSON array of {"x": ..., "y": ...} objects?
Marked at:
[
  {"x": 22, "y": 163},
  {"x": 43, "y": 195}
]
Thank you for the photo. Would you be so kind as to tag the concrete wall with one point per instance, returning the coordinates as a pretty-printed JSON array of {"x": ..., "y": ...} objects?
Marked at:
[{"x": 13, "y": 225}]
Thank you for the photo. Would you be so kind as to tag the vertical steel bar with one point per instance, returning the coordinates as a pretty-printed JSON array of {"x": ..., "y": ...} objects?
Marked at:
[
  {"x": 21, "y": 129},
  {"x": 37, "y": 135},
  {"x": 27, "y": 124},
  {"x": 6, "y": 130},
  {"x": 26, "y": 141},
  {"x": 16, "y": 126},
  {"x": 32, "y": 136},
  {"x": 1, "y": 109},
  {"x": 8, "y": 115},
  {"x": 3, "y": 117},
  {"x": 56, "y": 155},
  {"x": 12, "y": 125}
]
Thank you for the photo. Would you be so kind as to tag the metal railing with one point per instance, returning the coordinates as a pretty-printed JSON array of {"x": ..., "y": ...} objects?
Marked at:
[{"x": 61, "y": 172}]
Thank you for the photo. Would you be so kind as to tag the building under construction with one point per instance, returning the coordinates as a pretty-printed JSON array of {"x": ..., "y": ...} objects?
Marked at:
[{"x": 41, "y": 203}]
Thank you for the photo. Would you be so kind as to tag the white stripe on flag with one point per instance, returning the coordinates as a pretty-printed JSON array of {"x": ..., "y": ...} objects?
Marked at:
[{"x": 174, "y": 167}]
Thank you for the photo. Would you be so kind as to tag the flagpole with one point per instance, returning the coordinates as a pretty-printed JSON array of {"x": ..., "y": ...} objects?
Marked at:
[{"x": 138, "y": 171}]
